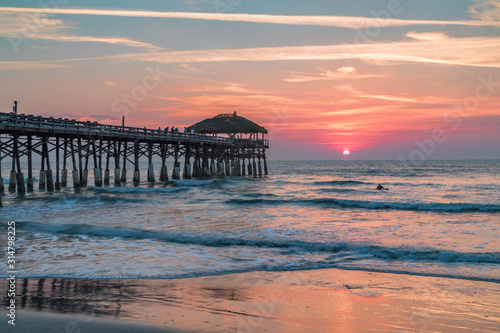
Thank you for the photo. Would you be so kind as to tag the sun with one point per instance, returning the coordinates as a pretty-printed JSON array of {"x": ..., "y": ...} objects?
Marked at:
[{"x": 346, "y": 152}]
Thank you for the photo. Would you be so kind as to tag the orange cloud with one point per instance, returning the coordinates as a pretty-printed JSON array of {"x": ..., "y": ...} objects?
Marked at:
[{"x": 475, "y": 51}]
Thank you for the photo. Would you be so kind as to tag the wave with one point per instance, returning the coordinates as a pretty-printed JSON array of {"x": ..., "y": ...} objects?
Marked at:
[
  {"x": 419, "y": 206},
  {"x": 138, "y": 190},
  {"x": 292, "y": 246},
  {"x": 259, "y": 195},
  {"x": 336, "y": 190},
  {"x": 376, "y": 205},
  {"x": 215, "y": 270},
  {"x": 86, "y": 199},
  {"x": 413, "y": 184},
  {"x": 342, "y": 182}
]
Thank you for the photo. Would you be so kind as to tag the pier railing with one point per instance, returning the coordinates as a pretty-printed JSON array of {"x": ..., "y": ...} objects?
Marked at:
[
  {"x": 251, "y": 143},
  {"x": 37, "y": 125}
]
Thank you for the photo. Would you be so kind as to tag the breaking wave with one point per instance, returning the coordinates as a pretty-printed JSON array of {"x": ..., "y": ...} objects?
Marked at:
[
  {"x": 375, "y": 205},
  {"x": 352, "y": 251}
]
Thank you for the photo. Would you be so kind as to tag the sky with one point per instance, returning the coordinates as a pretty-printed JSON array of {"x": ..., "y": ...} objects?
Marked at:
[{"x": 385, "y": 79}]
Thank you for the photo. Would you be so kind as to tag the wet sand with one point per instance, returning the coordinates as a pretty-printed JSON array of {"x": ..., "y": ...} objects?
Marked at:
[{"x": 328, "y": 300}]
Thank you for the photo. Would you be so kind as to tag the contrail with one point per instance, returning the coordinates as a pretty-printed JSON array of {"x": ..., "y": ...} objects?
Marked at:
[
  {"x": 475, "y": 52},
  {"x": 328, "y": 21}
]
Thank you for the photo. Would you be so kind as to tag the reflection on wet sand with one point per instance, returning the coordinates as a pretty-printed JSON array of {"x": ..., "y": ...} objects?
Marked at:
[
  {"x": 75, "y": 296},
  {"x": 317, "y": 300},
  {"x": 119, "y": 299}
]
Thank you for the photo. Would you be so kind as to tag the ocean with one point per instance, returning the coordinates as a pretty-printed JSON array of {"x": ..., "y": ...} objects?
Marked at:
[{"x": 438, "y": 218}]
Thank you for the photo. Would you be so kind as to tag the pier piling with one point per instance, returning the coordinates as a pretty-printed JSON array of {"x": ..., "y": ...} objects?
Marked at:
[
  {"x": 228, "y": 168},
  {"x": 123, "y": 177},
  {"x": 151, "y": 173},
  {"x": 64, "y": 172},
  {"x": 177, "y": 171},
  {"x": 117, "y": 177},
  {"x": 85, "y": 178},
  {"x": 187, "y": 171},
  {"x": 20, "y": 182},
  {"x": 163, "y": 173},
  {"x": 64, "y": 177},
  {"x": 30, "y": 164},
  {"x": 136, "y": 178},
  {"x": 50, "y": 181},
  {"x": 12, "y": 181},
  {"x": 124, "y": 166},
  {"x": 42, "y": 180},
  {"x": 75, "y": 175},
  {"x": 220, "y": 169},
  {"x": 97, "y": 164},
  {"x": 76, "y": 179},
  {"x": 97, "y": 177},
  {"x": 106, "y": 172},
  {"x": 106, "y": 177},
  {"x": 151, "y": 170},
  {"x": 196, "y": 167},
  {"x": 2, "y": 186},
  {"x": 57, "y": 184}
]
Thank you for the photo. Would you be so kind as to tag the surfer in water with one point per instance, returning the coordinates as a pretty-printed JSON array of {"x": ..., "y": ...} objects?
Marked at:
[{"x": 380, "y": 187}]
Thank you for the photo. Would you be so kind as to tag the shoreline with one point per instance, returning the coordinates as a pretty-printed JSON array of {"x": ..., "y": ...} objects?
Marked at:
[{"x": 293, "y": 301}]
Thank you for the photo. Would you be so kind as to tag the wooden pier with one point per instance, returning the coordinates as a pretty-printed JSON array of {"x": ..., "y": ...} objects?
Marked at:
[{"x": 63, "y": 144}]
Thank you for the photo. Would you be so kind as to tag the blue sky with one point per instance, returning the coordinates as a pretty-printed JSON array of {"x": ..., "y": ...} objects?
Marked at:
[{"x": 375, "y": 77}]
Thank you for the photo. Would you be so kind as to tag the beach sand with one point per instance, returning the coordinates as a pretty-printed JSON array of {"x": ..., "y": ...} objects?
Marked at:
[{"x": 326, "y": 300}]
